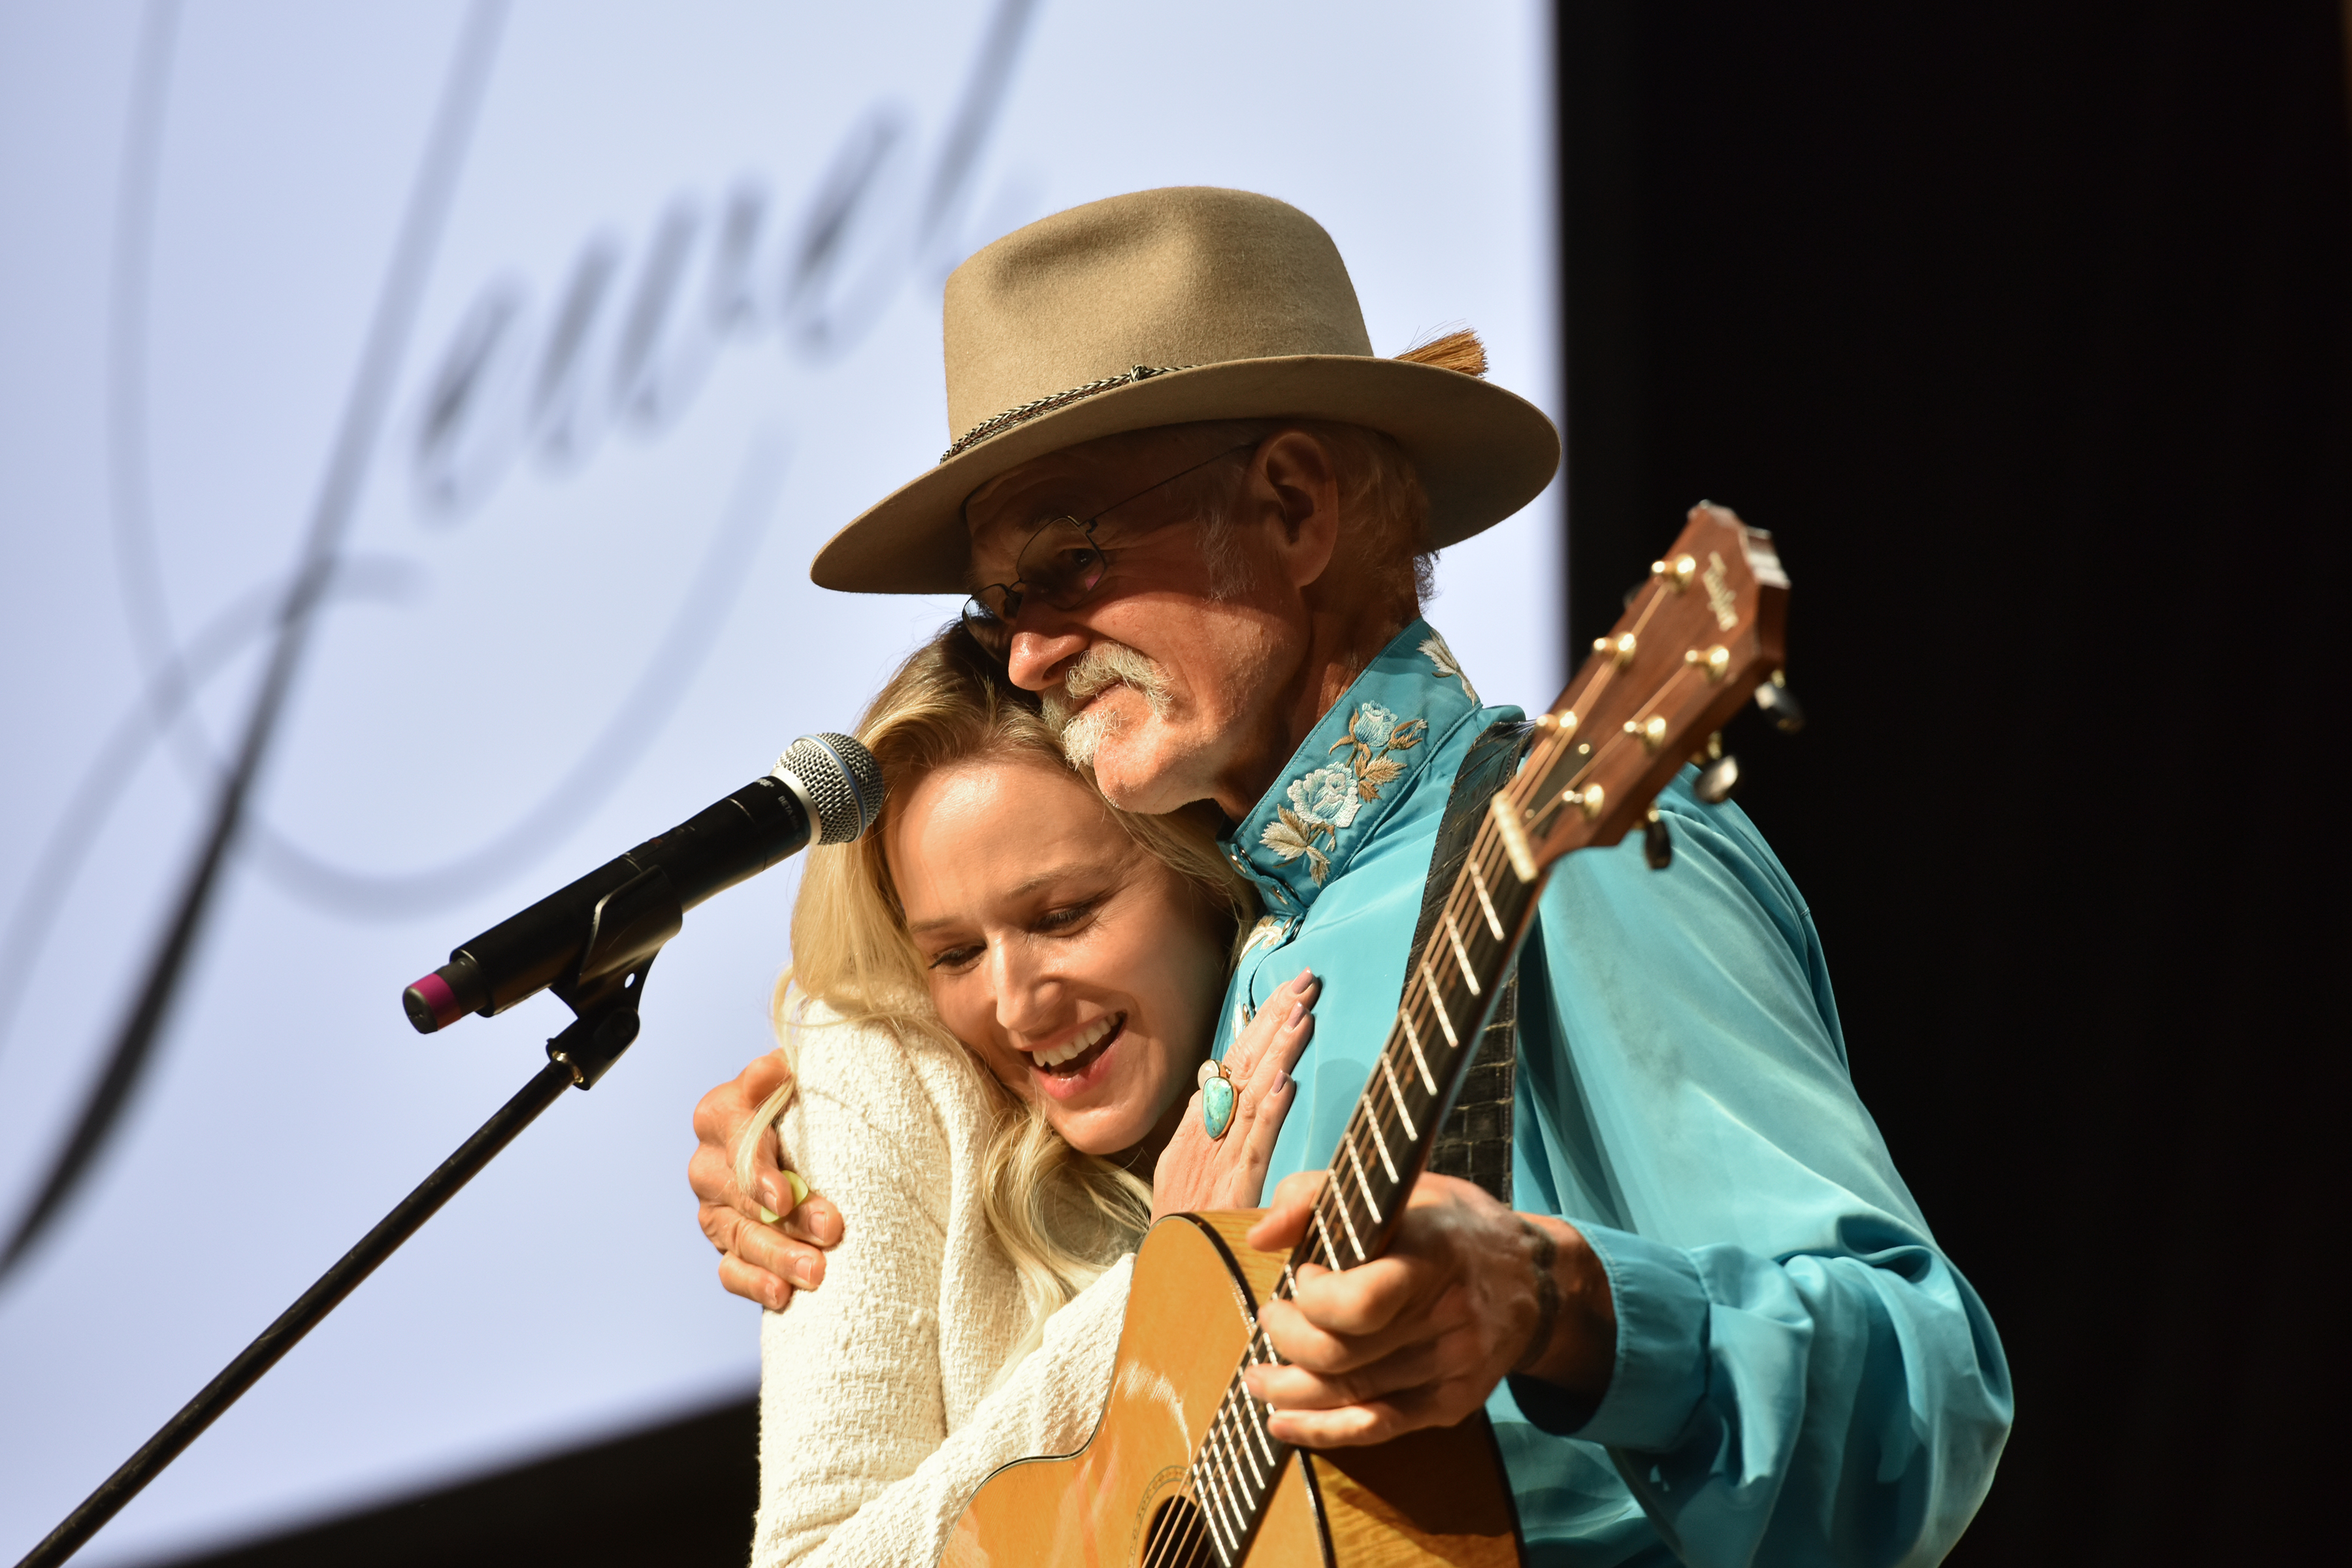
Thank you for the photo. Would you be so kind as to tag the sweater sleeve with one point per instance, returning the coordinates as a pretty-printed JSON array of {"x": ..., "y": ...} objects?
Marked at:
[
  {"x": 1802, "y": 1376},
  {"x": 856, "y": 1466}
]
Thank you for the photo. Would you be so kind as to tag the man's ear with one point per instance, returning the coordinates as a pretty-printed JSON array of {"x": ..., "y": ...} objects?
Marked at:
[{"x": 1303, "y": 487}]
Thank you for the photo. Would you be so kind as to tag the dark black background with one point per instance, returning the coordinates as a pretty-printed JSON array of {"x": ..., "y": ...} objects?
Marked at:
[{"x": 2026, "y": 328}]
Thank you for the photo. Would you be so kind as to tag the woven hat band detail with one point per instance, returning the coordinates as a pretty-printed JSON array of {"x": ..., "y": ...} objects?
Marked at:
[{"x": 1000, "y": 422}]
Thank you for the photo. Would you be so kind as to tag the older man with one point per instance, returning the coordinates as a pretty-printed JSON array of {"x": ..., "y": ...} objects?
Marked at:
[{"x": 1195, "y": 513}]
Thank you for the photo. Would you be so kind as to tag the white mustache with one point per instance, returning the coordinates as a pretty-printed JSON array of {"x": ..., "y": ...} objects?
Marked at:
[{"x": 1095, "y": 671}]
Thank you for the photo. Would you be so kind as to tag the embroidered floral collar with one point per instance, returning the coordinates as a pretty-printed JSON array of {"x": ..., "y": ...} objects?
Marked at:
[{"x": 1350, "y": 770}]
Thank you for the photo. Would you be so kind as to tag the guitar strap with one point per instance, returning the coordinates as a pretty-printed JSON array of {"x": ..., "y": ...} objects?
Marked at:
[{"x": 1475, "y": 1143}]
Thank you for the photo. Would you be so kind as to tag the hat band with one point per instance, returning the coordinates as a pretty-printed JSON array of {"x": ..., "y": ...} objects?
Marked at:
[{"x": 1029, "y": 410}]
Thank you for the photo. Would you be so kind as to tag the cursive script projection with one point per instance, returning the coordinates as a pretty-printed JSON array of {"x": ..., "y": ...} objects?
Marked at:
[{"x": 628, "y": 336}]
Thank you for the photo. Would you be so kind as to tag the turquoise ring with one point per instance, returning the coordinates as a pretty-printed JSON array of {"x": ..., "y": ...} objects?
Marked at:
[{"x": 1218, "y": 1098}]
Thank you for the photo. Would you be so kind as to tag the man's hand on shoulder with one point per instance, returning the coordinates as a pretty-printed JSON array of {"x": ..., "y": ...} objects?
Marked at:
[
  {"x": 758, "y": 1260},
  {"x": 1468, "y": 1293}
]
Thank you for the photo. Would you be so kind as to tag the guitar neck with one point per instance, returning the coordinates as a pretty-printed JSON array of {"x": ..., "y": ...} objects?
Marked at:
[
  {"x": 1695, "y": 642},
  {"x": 1449, "y": 996}
]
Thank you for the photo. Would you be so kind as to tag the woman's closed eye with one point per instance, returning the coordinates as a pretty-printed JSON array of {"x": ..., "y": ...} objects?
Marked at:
[
  {"x": 1067, "y": 917},
  {"x": 1060, "y": 920}
]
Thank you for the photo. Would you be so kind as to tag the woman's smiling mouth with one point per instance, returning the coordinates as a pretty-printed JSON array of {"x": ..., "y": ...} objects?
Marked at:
[{"x": 1074, "y": 1055}]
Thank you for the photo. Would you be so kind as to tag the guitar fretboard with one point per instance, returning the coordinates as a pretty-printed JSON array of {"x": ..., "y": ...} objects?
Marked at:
[{"x": 1449, "y": 995}]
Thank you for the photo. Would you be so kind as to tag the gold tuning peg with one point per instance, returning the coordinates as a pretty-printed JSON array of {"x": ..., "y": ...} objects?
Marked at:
[
  {"x": 1779, "y": 704},
  {"x": 1718, "y": 780},
  {"x": 1657, "y": 843}
]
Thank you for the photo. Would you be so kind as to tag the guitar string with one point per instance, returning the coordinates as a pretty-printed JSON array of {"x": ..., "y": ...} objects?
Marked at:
[
  {"x": 1554, "y": 801},
  {"x": 1162, "y": 1550},
  {"x": 1372, "y": 1115},
  {"x": 1237, "y": 1407},
  {"x": 1375, "y": 1114},
  {"x": 1483, "y": 944},
  {"x": 1158, "y": 1549},
  {"x": 1457, "y": 909},
  {"x": 1419, "y": 999},
  {"x": 1223, "y": 1482},
  {"x": 1215, "y": 1524}
]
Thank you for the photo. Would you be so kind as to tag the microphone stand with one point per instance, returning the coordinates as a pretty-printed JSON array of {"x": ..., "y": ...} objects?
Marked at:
[{"x": 606, "y": 1025}]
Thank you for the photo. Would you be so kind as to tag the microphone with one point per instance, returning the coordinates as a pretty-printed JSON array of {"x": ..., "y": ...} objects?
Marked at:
[{"x": 620, "y": 913}]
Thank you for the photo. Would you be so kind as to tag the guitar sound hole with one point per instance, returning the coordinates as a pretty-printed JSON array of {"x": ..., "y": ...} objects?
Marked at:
[{"x": 1179, "y": 1537}]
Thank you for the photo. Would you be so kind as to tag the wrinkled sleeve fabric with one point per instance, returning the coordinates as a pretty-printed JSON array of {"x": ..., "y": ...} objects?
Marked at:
[{"x": 1801, "y": 1375}]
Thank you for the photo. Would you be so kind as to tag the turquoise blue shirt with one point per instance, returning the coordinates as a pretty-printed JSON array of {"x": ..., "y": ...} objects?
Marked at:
[{"x": 1801, "y": 1375}]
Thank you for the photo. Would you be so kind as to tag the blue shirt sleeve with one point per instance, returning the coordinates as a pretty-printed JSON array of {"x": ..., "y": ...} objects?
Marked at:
[{"x": 1801, "y": 1375}]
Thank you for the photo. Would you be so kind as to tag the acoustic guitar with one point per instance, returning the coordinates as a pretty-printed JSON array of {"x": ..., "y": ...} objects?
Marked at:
[{"x": 1181, "y": 1471}]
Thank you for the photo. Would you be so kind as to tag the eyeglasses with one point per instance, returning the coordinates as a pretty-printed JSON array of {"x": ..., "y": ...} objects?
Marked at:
[{"x": 1060, "y": 566}]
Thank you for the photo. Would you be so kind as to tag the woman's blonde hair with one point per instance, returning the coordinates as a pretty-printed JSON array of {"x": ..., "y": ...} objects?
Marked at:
[{"x": 1063, "y": 1216}]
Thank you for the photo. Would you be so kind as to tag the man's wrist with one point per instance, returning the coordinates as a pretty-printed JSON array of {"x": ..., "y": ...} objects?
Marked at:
[
  {"x": 1574, "y": 1345},
  {"x": 1543, "y": 1260}
]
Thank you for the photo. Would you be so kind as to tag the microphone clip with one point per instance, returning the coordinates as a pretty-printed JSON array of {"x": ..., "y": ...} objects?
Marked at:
[{"x": 627, "y": 931}]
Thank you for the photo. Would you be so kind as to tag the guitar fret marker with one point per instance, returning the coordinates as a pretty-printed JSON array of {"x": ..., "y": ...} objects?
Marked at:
[
  {"x": 1205, "y": 1495},
  {"x": 1236, "y": 1448},
  {"x": 1398, "y": 1095},
  {"x": 1362, "y": 1182},
  {"x": 1216, "y": 1449},
  {"x": 1228, "y": 1547},
  {"x": 1330, "y": 1251},
  {"x": 1514, "y": 836},
  {"x": 1221, "y": 1435},
  {"x": 1461, "y": 954},
  {"x": 1224, "y": 1514},
  {"x": 1374, "y": 1122},
  {"x": 1413, "y": 1039},
  {"x": 1485, "y": 902},
  {"x": 1437, "y": 1006},
  {"x": 1259, "y": 1480},
  {"x": 1348, "y": 1223},
  {"x": 1238, "y": 1516},
  {"x": 1257, "y": 1430}
]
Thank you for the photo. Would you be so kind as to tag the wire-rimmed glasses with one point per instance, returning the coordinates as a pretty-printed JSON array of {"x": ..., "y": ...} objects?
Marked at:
[{"x": 1060, "y": 566}]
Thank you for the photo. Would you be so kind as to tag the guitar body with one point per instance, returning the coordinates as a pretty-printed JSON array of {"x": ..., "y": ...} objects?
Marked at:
[{"x": 1430, "y": 1497}]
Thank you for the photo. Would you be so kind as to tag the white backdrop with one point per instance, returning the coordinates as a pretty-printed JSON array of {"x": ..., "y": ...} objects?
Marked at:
[{"x": 680, "y": 320}]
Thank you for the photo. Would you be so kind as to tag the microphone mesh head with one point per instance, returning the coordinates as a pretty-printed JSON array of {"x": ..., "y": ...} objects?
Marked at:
[{"x": 843, "y": 782}]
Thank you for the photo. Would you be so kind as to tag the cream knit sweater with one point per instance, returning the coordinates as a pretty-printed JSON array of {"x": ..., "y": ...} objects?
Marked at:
[{"x": 875, "y": 1421}]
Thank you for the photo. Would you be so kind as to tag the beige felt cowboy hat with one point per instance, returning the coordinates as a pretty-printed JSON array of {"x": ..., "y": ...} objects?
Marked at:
[{"x": 1165, "y": 307}]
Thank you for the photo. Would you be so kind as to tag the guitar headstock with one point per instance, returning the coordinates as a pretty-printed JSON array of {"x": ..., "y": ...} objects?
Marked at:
[{"x": 1695, "y": 643}]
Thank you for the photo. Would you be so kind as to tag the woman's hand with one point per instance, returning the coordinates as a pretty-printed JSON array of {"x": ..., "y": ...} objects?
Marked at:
[
  {"x": 1196, "y": 1172},
  {"x": 771, "y": 1238}
]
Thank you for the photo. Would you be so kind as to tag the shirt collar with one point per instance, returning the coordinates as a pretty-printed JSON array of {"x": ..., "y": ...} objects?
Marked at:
[{"x": 1358, "y": 761}]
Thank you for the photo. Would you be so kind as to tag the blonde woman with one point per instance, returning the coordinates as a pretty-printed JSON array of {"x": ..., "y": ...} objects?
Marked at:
[{"x": 997, "y": 1007}]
